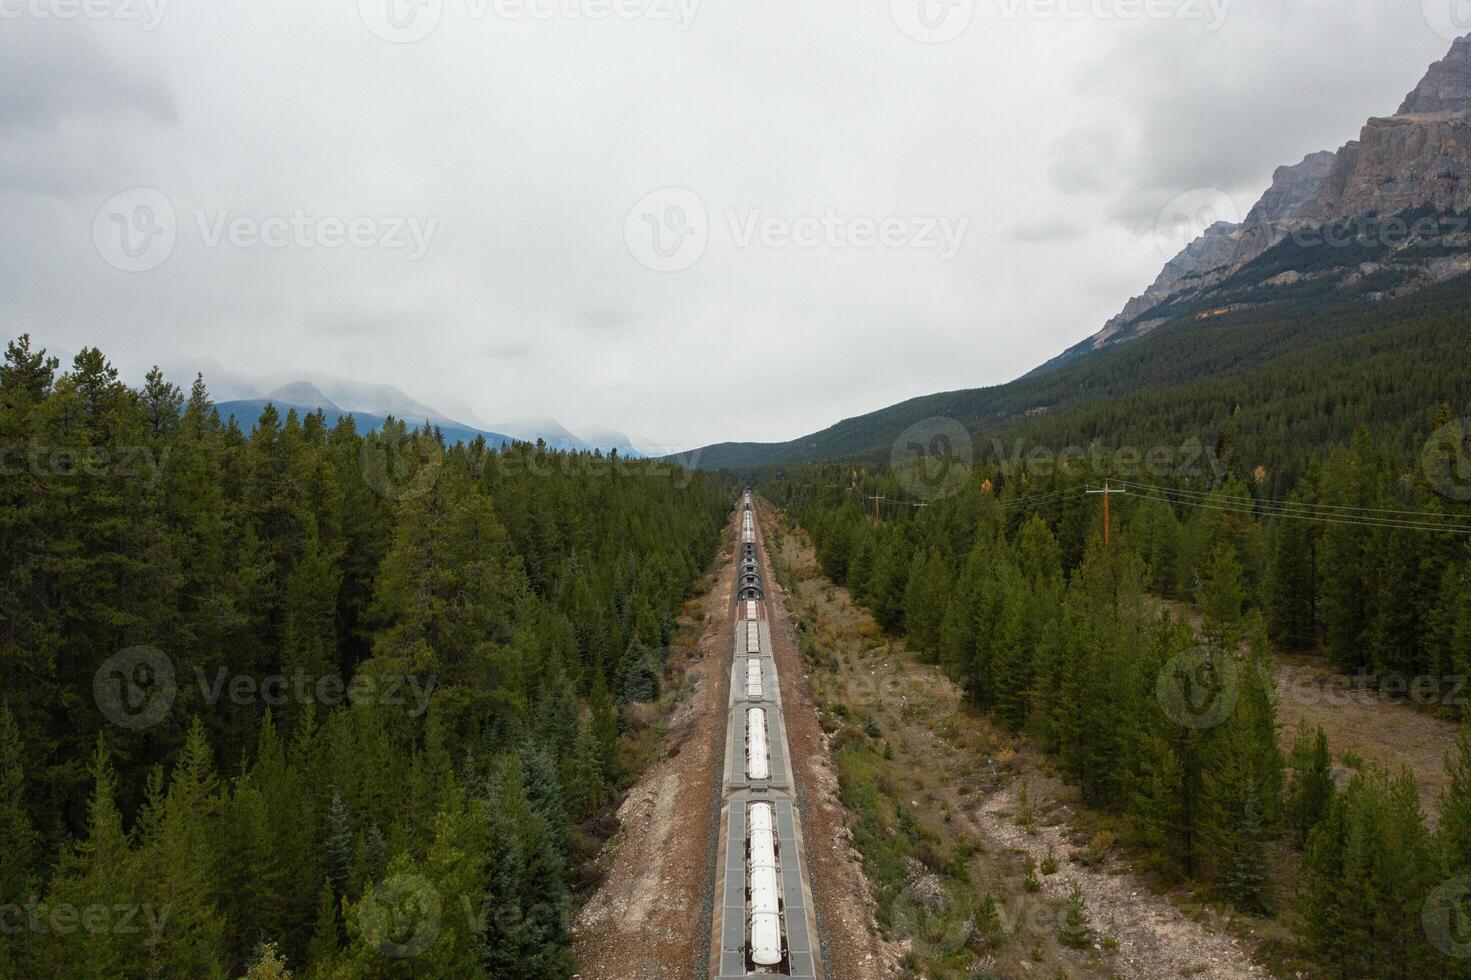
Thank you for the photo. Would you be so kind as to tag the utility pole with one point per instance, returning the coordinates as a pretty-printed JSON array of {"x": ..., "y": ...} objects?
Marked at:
[{"x": 1107, "y": 521}]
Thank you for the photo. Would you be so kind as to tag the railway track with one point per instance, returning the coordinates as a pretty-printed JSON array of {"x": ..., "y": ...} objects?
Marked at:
[{"x": 764, "y": 919}]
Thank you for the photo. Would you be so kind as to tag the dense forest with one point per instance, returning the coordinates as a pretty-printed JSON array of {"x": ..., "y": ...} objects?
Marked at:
[
  {"x": 1170, "y": 723},
  {"x": 1292, "y": 380},
  {"x": 308, "y": 701}
]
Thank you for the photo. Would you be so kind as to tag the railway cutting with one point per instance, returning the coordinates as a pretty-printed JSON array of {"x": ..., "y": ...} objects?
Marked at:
[{"x": 764, "y": 917}]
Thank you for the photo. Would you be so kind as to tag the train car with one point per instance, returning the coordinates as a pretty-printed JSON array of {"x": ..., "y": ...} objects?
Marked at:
[
  {"x": 766, "y": 943},
  {"x": 754, "y": 688},
  {"x": 758, "y": 757}
]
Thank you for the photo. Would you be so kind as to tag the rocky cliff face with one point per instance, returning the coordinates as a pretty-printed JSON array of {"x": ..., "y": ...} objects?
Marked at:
[
  {"x": 1418, "y": 158},
  {"x": 1446, "y": 87}
]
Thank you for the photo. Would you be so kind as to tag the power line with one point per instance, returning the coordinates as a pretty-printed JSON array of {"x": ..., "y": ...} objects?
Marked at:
[
  {"x": 1232, "y": 505},
  {"x": 1301, "y": 504}
]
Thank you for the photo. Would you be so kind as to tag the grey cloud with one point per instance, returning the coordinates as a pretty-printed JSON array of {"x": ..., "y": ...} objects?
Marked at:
[
  {"x": 1046, "y": 230},
  {"x": 53, "y": 72},
  {"x": 532, "y": 141}
]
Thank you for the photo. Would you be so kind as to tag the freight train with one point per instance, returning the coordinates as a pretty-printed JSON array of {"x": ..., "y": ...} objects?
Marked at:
[{"x": 765, "y": 926}]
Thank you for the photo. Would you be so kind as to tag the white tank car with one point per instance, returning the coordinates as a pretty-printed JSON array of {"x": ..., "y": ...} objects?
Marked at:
[
  {"x": 758, "y": 764},
  {"x": 765, "y": 904},
  {"x": 753, "y": 679}
]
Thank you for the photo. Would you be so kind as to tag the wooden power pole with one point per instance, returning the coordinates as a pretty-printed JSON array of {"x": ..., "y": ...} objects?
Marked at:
[{"x": 1107, "y": 519}]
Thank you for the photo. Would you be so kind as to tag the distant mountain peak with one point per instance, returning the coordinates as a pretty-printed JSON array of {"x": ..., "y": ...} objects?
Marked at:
[
  {"x": 302, "y": 393},
  {"x": 1446, "y": 87},
  {"x": 1416, "y": 160}
]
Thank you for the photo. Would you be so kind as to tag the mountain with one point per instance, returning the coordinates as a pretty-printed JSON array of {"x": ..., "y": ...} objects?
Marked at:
[
  {"x": 1341, "y": 298},
  {"x": 302, "y": 393},
  {"x": 613, "y": 439},
  {"x": 245, "y": 411},
  {"x": 246, "y": 395},
  {"x": 1395, "y": 201},
  {"x": 1285, "y": 380},
  {"x": 558, "y": 436}
]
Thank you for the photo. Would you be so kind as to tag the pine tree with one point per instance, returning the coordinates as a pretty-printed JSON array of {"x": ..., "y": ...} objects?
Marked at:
[
  {"x": 1455, "y": 809},
  {"x": 1076, "y": 931},
  {"x": 15, "y": 821},
  {"x": 1245, "y": 880},
  {"x": 1221, "y": 596},
  {"x": 1311, "y": 791},
  {"x": 1291, "y": 588},
  {"x": 338, "y": 846},
  {"x": 326, "y": 937}
]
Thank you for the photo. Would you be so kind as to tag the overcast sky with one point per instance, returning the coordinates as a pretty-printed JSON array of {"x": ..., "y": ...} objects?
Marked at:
[{"x": 736, "y": 219}]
